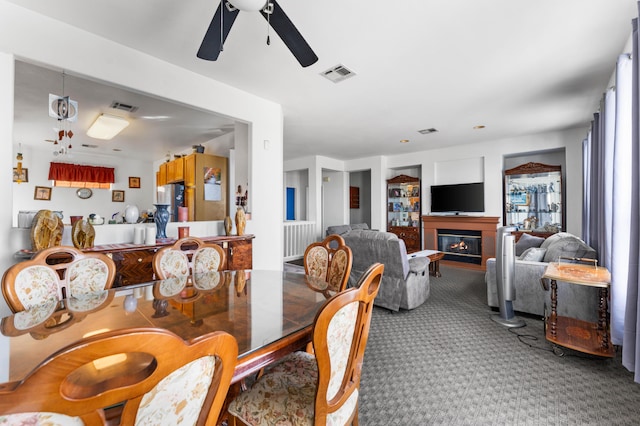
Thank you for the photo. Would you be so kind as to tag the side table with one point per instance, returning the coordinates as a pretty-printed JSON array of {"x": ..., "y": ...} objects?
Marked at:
[
  {"x": 583, "y": 336},
  {"x": 434, "y": 260}
]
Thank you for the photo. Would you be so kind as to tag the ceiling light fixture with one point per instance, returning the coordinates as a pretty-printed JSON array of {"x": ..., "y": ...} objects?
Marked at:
[{"x": 107, "y": 126}]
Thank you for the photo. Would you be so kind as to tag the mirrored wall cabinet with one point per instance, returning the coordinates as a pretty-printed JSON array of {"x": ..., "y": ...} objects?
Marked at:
[{"x": 533, "y": 199}]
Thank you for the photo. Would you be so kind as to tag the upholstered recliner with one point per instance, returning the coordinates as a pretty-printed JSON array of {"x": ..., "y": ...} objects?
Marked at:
[{"x": 405, "y": 283}]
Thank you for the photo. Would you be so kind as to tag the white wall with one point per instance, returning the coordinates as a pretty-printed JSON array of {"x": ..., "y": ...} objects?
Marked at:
[
  {"x": 39, "y": 39},
  {"x": 335, "y": 186},
  {"x": 65, "y": 199},
  {"x": 483, "y": 161},
  {"x": 361, "y": 180}
]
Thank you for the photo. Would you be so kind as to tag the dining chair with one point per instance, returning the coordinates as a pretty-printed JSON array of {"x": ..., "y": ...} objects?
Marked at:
[
  {"x": 152, "y": 374},
  {"x": 320, "y": 389},
  {"x": 188, "y": 256},
  {"x": 56, "y": 273},
  {"x": 331, "y": 260}
]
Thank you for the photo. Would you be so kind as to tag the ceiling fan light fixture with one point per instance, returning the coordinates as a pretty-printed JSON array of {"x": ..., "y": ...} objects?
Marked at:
[
  {"x": 248, "y": 5},
  {"x": 106, "y": 127}
]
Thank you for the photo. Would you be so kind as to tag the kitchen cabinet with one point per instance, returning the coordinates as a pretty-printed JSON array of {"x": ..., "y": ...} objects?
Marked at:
[
  {"x": 403, "y": 212},
  {"x": 175, "y": 170},
  {"x": 206, "y": 184},
  {"x": 161, "y": 176},
  {"x": 533, "y": 198}
]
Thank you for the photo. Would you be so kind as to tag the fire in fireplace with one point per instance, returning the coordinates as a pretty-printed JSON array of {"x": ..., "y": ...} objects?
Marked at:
[{"x": 460, "y": 245}]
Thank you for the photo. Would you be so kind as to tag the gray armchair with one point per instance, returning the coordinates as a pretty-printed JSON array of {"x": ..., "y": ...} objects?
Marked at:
[{"x": 405, "y": 283}]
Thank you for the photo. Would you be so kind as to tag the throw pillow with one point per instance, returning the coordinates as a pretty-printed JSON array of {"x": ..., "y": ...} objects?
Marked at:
[
  {"x": 533, "y": 254},
  {"x": 527, "y": 241}
]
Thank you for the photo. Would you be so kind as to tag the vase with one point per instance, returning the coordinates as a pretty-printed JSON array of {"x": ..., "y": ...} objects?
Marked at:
[
  {"x": 131, "y": 214},
  {"x": 227, "y": 225},
  {"x": 241, "y": 221},
  {"x": 161, "y": 218}
]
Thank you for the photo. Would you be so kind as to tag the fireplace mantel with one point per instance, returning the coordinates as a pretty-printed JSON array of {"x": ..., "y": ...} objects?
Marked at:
[{"x": 486, "y": 225}]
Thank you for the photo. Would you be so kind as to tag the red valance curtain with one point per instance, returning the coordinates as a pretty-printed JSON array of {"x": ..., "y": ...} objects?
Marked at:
[{"x": 79, "y": 173}]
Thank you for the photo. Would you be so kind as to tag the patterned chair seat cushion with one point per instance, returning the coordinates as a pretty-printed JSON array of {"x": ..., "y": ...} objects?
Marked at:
[{"x": 285, "y": 395}]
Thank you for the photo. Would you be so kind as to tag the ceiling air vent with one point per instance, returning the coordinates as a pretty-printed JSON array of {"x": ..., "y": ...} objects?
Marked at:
[
  {"x": 427, "y": 131},
  {"x": 337, "y": 73},
  {"x": 123, "y": 107}
]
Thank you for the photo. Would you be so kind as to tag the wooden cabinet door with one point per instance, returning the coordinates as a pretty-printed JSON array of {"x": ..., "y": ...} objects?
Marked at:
[
  {"x": 162, "y": 174},
  {"x": 240, "y": 255},
  {"x": 410, "y": 236},
  {"x": 133, "y": 267},
  {"x": 175, "y": 170},
  {"x": 189, "y": 167}
]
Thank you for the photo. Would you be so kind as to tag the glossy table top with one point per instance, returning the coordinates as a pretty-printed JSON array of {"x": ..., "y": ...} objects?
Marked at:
[{"x": 259, "y": 308}]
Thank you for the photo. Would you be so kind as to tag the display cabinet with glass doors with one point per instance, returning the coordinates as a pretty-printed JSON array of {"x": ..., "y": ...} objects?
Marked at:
[
  {"x": 533, "y": 198},
  {"x": 403, "y": 213}
]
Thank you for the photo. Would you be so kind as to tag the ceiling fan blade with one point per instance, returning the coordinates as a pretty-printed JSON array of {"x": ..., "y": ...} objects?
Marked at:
[
  {"x": 211, "y": 44},
  {"x": 290, "y": 35}
]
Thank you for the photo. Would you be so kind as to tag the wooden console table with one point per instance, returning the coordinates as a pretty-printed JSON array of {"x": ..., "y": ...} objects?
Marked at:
[
  {"x": 134, "y": 262},
  {"x": 583, "y": 336},
  {"x": 486, "y": 226}
]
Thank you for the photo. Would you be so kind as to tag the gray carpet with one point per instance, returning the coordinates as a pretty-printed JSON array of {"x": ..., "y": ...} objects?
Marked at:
[{"x": 448, "y": 363}]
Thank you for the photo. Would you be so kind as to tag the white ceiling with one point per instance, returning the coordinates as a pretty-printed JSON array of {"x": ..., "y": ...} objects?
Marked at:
[{"x": 515, "y": 67}]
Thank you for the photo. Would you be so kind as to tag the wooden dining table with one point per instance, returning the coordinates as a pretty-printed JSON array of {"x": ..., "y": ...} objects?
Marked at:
[{"x": 270, "y": 313}]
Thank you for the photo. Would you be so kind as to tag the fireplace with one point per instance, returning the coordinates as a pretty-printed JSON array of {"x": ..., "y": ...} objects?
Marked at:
[
  {"x": 467, "y": 241},
  {"x": 460, "y": 245}
]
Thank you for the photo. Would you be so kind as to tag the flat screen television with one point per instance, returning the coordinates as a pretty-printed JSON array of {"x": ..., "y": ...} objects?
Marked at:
[{"x": 457, "y": 198}]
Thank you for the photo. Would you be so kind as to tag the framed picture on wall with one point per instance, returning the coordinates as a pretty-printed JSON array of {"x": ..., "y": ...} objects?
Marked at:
[
  {"x": 23, "y": 176},
  {"x": 134, "y": 182},
  {"x": 42, "y": 193},
  {"x": 117, "y": 196}
]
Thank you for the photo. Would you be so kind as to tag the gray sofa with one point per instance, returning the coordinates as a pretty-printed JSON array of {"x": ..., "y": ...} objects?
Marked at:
[
  {"x": 405, "y": 282},
  {"x": 345, "y": 229},
  {"x": 534, "y": 254}
]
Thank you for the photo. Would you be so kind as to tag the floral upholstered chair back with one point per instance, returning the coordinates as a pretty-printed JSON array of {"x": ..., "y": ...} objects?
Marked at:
[
  {"x": 187, "y": 384},
  {"x": 55, "y": 274},
  {"x": 186, "y": 257},
  {"x": 330, "y": 260},
  {"x": 340, "y": 337}
]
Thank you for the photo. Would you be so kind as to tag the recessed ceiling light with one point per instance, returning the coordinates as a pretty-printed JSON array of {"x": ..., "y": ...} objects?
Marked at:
[
  {"x": 478, "y": 127},
  {"x": 404, "y": 140}
]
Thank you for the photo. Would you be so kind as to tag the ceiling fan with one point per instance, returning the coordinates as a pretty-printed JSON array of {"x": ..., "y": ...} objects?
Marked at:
[{"x": 226, "y": 14}]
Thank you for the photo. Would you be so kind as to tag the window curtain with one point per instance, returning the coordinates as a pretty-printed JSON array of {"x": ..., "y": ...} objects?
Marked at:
[
  {"x": 79, "y": 173},
  {"x": 631, "y": 339},
  {"x": 612, "y": 194}
]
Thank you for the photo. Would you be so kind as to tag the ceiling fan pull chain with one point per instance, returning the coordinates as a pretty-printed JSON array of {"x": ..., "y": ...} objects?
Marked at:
[{"x": 268, "y": 10}]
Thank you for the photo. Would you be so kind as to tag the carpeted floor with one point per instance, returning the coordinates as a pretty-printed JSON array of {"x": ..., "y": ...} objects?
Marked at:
[{"x": 448, "y": 363}]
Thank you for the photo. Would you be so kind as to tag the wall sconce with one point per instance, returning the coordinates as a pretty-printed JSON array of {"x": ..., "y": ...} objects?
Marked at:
[{"x": 107, "y": 126}]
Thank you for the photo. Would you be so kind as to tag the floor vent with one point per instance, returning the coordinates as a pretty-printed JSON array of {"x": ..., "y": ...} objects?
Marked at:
[
  {"x": 337, "y": 73},
  {"x": 123, "y": 107}
]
